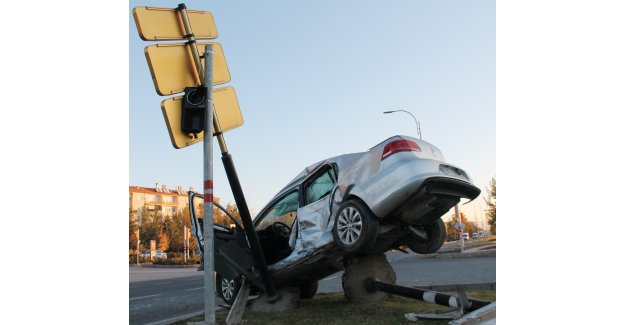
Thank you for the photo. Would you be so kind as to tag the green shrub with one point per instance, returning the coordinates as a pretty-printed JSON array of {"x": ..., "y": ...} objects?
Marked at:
[{"x": 132, "y": 259}]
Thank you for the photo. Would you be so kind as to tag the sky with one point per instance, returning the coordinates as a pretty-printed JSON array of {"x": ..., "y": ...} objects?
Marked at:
[{"x": 312, "y": 79}]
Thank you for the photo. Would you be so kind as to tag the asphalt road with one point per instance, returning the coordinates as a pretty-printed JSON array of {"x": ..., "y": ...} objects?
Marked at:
[{"x": 163, "y": 293}]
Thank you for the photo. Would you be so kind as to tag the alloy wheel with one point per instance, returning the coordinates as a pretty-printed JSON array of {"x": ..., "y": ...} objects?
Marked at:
[
  {"x": 349, "y": 225},
  {"x": 227, "y": 288}
]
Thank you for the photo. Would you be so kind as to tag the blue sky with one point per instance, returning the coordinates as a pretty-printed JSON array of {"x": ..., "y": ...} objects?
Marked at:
[{"x": 313, "y": 78}]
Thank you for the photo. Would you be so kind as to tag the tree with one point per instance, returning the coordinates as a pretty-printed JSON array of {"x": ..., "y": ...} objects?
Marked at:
[
  {"x": 491, "y": 202},
  {"x": 152, "y": 226},
  {"x": 234, "y": 212},
  {"x": 132, "y": 228}
]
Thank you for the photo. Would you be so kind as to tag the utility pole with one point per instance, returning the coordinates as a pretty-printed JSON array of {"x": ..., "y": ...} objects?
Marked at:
[
  {"x": 461, "y": 228},
  {"x": 138, "y": 244},
  {"x": 175, "y": 70},
  {"x": 209, "y": 262},
  {"x": 185, "y": 240}
]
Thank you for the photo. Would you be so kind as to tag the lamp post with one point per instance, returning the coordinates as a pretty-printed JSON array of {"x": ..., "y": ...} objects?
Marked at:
[{"x": 415, "y": 120}]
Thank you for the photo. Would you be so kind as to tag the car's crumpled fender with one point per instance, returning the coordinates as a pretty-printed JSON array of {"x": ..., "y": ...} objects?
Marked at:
[{"x": 353, "y": 176}]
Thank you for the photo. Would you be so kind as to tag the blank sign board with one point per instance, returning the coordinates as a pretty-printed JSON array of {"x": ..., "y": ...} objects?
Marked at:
[
  {"x": 172, "y": 67},
  {"x": 227, "y": 114},
  {"x": 161, "y": 24}
]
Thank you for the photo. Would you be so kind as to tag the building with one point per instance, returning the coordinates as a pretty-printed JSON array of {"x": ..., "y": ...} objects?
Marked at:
[{"x": 160, "y": 198}]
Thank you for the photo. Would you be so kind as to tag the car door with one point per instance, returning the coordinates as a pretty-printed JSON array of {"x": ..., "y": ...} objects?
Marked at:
[
  {"x": 232, "y": 257},
  {"x": 275, "y": 224},
  {"x": 313, "y": 218}
]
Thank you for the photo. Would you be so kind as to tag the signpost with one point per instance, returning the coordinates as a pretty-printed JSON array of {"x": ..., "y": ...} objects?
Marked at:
[
  {"x": 164, "y": 24},
  {"x": 175, "y": 67},
  {"x": 461, "y": 228}
]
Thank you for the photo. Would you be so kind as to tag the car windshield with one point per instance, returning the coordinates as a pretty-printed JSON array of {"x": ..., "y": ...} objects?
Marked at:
[{"x": 284, "y": 211}]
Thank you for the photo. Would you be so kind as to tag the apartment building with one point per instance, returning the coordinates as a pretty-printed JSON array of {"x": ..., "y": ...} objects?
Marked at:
[{"x": 159, "y": 198}]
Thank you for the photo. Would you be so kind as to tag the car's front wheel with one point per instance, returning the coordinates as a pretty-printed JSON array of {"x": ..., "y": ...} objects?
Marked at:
[
  {"x": 355, "y": 227},
  {"x": 436, "y": 234},
  {"x": 227, "y": 289}
]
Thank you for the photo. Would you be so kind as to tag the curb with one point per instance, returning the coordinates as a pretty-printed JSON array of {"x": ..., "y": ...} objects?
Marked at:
[{"x": 489, "y": 253}]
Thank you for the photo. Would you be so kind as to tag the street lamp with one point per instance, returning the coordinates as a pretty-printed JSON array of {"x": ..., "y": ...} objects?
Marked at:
[{"x": 415, "y": 120}]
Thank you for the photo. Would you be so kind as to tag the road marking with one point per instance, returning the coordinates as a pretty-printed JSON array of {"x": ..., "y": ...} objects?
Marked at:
[
  {"x": 330, "y": 278},
  {"x": 198, "y": 288},
  {"x": 399, "y": 258},
  {"x": 145, "y": 296}
]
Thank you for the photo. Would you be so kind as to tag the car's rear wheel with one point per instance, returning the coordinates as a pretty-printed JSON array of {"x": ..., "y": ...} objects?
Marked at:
[
  {"x": 355, "y": 227},
  {"x": 436, "y": 234},
  {"x": 308, "y": 289},
  {"x": 227, "y": 289}
]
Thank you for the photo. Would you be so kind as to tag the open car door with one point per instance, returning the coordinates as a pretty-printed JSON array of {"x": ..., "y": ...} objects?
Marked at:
[{"x": 232, "y": 255}]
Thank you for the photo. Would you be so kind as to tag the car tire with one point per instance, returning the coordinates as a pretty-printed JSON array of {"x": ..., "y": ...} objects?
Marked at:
[
  {"x": 436, "y": 233},
  {"x": 308, "y": 289},
  {"x": 227, "y": 289},
  {"x": 355, "y": 227}
]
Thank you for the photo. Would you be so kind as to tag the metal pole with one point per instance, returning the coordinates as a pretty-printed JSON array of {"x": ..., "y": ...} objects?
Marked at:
[
  {"x": 182, "y": 8},
  {"x": 434, "y": 297},
  {"x": 461, "y": 229},
  {"x": 418, "y": 129},
  {"x": 184, "y": 241},
  {"x": 248, "y": 226},
  {"x": 209, "y": 281},
  {"x": 477, "y": 230},
  {"x": 138, "y": 245},
  {"x": 483, "y": 218},
  {"x": 230, "y": 171}
]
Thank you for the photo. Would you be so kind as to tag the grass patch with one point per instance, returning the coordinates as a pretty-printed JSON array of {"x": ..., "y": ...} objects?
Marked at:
[{"x": 333, "y": 308}]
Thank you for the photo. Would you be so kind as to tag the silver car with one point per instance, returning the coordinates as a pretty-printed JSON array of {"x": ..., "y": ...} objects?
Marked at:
[
  {"x": 363, "y": 203},
  {"x": 158, "y": 254}
]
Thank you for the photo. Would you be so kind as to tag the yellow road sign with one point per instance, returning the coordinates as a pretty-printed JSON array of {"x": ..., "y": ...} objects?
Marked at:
[
  {"x": 227, "y": 114},
  {"x": 160, "y": 24},
  {"x": 172, "y": 67}
]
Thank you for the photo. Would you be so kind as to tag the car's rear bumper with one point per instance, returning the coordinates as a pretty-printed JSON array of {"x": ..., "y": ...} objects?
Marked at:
[
  {"x": 410, "y": 182},
  {"x": 432, "y": 199}
]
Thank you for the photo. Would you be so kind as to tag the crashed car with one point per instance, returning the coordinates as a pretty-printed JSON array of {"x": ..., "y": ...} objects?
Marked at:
[{"x": 357, "y": 204}]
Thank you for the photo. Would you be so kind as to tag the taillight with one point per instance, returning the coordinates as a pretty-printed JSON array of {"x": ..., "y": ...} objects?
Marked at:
[{"x": 399, "y": 146}]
